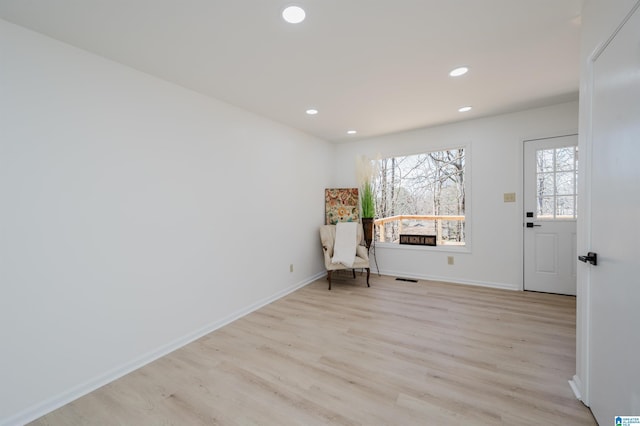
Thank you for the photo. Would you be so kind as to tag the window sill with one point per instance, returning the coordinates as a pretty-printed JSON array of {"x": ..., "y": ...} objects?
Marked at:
[{"x": 436, "y": 249}]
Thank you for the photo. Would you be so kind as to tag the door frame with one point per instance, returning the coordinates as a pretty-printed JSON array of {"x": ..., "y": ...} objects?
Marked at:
[{"x": 580, "y": 381}]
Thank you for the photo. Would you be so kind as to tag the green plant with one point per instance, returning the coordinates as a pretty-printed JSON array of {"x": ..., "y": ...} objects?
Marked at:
[
  {"x": 367, "y": 200},
  {"x": 366, "y": 171}
]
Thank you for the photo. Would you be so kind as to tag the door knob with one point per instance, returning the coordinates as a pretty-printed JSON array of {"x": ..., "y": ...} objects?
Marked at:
[{"x": 591, "y": 258}]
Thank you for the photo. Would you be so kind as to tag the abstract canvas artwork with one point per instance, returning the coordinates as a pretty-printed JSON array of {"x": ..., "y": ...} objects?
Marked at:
[{"x": 341, "y": 205}]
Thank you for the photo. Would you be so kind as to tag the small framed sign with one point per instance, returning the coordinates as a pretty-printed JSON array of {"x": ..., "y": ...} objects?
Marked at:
[{"x": 418, "y": 240}]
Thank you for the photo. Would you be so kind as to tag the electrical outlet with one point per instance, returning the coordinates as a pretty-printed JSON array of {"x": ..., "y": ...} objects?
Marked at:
[
  {"x": 449, "y": 260},
  {"x": 291, "y": 267}
]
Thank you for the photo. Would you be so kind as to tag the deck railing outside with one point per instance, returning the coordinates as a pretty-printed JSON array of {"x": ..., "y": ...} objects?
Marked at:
[{"x": 438, "y": 219}]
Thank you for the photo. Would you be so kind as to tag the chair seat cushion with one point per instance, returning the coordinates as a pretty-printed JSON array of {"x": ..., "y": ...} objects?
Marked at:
[{"x": 357, "y": 264}]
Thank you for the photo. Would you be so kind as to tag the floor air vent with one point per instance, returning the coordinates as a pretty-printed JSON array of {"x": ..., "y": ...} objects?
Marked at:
[{"x": 409, "y": 280}]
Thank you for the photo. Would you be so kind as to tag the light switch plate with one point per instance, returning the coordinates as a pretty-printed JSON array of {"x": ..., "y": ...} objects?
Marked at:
[{"x": 509, "y": 197}]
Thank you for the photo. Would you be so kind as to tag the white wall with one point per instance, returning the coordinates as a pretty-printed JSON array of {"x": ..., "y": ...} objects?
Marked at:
[
  {"x": 495, "y": 162},
  {"x": 135, "y": 215}
]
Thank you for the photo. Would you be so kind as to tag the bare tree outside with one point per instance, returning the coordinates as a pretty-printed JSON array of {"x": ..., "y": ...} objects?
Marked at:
[{"x": 431, "y": 183}]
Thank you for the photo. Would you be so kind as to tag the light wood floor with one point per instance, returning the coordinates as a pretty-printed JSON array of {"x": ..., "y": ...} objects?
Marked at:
[{"x": 394, "y": 354}]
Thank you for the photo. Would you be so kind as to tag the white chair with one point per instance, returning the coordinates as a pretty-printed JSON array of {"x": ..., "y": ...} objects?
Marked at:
[{"x": 328, "y": 238}]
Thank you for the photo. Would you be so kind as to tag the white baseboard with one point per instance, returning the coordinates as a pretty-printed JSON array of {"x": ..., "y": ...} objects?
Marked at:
[
  {"x": 32, "y": 413},
  {"x": 502, "y": 286},
  {"x": 576, "y": 385}
]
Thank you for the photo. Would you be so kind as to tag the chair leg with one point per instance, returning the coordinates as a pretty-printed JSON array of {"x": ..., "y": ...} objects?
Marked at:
[
  {"x": 368, "y": 273},
  {"x": 354, "y": 273},
  {"x": 329, "y": 278}
]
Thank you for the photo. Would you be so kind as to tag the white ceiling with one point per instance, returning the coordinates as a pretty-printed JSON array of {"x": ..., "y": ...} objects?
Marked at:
[{"x": 377, "y": 66}]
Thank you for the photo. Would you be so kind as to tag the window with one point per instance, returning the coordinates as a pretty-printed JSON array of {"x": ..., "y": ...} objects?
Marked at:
[
  {"x": 422, "y": 194},
  {"x": 556, "y": 177}
]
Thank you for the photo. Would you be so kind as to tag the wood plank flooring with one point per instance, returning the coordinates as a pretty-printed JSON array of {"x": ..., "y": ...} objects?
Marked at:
[{"x": 398, "y": 353}]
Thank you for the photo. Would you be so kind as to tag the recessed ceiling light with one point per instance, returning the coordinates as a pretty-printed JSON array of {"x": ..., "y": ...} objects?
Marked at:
[
  {"x": 312, "y": 111},
  {"x": 351, "y": 132},
  {"x": 464, "y": 109},
  {"x": 293, "y": 14},
  {"x": 458, "y": 71}
]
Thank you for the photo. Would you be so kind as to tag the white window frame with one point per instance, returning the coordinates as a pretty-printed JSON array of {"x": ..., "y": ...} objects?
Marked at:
[{"x": 555, "y": 195}]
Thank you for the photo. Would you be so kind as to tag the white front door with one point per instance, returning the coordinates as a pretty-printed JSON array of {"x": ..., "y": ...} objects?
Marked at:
[
  {"x": 550, "y": 201},
  {"x": 614, "y": 226}
]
